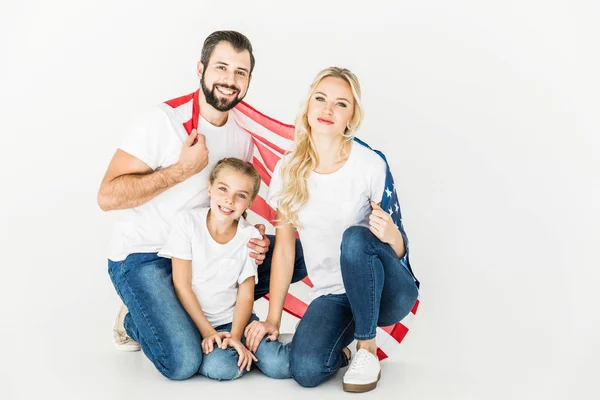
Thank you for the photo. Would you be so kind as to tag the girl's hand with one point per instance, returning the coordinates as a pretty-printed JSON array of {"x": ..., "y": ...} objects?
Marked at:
[
  {"x": 214, "y": 338},
  {"x": 382, "y": 226},
  {"x": 245, "y": 356}
]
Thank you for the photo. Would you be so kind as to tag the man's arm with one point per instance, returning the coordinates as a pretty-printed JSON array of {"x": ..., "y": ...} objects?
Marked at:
[{"x": 129, "y": 182}]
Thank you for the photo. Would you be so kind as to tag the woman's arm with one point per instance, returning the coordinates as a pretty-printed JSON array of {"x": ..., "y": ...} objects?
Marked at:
[
  {"x": 182, "y": 280},
  {"x": 282, "y": 269}
]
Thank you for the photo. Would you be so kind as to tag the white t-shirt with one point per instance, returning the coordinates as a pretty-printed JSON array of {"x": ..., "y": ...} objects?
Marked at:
[
  {"x": 336, "y": 201},
  {"x": 156, "y": 137},
  {"x": 217, "y": 269}
]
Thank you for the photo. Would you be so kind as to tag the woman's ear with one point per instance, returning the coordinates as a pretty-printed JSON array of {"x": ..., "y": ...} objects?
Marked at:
[{"x": 209, "y": 188}]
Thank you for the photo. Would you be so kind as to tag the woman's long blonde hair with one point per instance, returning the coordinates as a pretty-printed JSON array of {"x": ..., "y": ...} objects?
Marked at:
[{"x": 304, "y": 158}]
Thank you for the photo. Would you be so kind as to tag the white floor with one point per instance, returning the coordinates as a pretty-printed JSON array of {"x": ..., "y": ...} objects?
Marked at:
[{"x": 62, "y": 349}]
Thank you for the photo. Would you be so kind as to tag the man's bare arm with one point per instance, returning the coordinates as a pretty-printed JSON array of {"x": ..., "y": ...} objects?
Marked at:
[{"x": 129, "y": 182}]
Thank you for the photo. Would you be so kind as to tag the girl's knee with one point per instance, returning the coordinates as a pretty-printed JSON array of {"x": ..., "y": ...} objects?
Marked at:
[{"x": 221, "y": 365}]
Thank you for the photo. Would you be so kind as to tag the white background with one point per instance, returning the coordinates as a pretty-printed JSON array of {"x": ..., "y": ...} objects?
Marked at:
[{"x": 487, "y": 110}]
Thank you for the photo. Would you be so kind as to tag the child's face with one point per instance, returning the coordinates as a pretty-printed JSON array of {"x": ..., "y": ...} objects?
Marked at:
[{"x": 230, "y": 194}]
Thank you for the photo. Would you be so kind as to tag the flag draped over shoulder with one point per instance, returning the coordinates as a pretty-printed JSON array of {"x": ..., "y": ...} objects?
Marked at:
[{"x": 272, "y": 139}]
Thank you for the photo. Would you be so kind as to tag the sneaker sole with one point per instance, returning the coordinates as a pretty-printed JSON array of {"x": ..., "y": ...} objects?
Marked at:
[
  {"x": 357, "y": 388},
  {"x": 126, "y": 347}
]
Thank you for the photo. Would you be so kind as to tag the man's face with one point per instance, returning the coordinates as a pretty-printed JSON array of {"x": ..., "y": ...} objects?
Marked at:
[{"x": 225, "y": 79}]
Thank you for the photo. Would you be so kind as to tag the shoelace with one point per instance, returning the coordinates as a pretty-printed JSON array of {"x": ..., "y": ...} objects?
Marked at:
[{"x": 359, "y": 361}]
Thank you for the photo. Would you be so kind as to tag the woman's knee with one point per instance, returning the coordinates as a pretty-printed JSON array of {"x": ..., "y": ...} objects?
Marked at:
[
  {"x": 274, "y": 359},
  {"x": 355, "y": 240},
  {"x": 307, "y": 368}
]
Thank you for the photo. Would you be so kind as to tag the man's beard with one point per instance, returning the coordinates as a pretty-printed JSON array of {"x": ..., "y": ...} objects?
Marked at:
[{"x": 220, "y": 103}]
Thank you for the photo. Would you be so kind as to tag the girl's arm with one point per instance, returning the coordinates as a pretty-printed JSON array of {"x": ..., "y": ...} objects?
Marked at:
[
  {"x": 182, "y": 280},
  {"x": 243, "y": 308}
]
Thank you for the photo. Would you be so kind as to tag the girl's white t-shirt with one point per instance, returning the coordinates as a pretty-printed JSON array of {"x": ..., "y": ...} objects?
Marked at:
[
  {"x": 217, "y": 269},
  {"x": 336, "y": 201}
]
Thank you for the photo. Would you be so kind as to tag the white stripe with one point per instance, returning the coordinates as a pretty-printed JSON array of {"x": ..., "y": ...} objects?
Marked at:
[{"x": 258, "y": 129}]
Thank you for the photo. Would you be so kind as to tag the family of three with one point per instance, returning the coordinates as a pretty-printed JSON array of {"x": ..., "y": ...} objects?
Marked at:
[{"x": 188, "y": 266}]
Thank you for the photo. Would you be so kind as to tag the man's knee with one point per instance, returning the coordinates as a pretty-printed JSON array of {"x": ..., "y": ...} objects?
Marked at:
[{"x": 182, "y": 364}]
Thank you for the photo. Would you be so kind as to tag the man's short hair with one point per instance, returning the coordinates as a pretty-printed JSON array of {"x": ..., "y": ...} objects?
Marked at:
[{"x": 238, "y": 41}]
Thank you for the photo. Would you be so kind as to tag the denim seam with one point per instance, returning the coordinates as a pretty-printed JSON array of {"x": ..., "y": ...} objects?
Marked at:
[
  {"x": 336, "y": 342},
  {"x": 137, "y": 303}
]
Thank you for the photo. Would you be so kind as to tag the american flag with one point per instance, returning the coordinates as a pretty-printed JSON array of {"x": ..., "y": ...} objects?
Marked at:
[{"x": 272, "y": 139}]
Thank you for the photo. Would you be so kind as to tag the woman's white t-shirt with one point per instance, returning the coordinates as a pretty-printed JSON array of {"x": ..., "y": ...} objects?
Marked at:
[
  {"x": 336, "y": 201},
  {"x": 217, "y": 269}
]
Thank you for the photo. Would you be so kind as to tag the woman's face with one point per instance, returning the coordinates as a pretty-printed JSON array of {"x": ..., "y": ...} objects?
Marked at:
[{"x": 331, "y": 107}]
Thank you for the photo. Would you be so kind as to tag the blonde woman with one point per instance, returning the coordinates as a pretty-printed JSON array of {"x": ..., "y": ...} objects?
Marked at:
[{"x": 329, "y": 190}]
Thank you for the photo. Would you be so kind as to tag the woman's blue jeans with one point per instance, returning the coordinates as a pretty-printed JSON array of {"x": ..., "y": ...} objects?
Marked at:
[{"x": 380, "y": 291}]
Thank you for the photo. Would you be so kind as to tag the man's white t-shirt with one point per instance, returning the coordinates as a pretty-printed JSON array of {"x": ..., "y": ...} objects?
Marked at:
[
  {"x": 336, "y": 201},
  {"x": 156, "y": 137},
  {"x": 217, "y": 269}
]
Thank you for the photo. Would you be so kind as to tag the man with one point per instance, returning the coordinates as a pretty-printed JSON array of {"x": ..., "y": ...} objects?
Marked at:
[{"x": 159, "y": 170}]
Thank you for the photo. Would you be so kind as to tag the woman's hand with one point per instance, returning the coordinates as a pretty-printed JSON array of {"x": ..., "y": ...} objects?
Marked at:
[
  {"x": 382, "y": 226},
  {"x": 214, "y": 338},
  {"x": 245, "y": 356},
  {"x": 255, "y": 332}
]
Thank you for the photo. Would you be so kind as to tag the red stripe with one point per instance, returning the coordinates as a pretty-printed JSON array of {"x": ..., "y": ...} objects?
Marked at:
[
  {"x": 174, "y": 103},
  {"x": 415, "y": 307},
  {"x": 281, "y": 129},
  {"x": 269, "y": 158},
  {"x": 381, "y": 354},
  {"x": 264, "y": 174},
  {"x": 293, "y": 305},
  {"x": 397, "y": 331},
  {"x": 265, "y": 141},
  {"x": 260, "y": 206},
  {"x": 308, "y": 282}
]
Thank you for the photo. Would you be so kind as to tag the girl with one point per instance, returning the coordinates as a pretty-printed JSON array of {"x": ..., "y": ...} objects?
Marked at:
[
  {"x": 214, "y": 276},
  {"x": 328, "y": 190}
]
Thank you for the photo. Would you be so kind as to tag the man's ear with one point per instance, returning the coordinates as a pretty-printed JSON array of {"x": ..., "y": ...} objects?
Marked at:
[{"x": 200, "y": 69}]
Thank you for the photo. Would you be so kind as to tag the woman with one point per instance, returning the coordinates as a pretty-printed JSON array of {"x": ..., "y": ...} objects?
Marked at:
[{"x": 328, "y": 190}]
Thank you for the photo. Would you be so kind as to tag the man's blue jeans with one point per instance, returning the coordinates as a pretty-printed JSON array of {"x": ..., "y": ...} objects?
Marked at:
[
  {"x": 380, "y": 291},
  {"x": 167, "y": 335}
]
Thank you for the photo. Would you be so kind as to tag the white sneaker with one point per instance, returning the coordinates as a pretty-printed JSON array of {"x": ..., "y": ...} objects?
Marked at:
[
  {"x": 121, "y": 340},
  {"x": 363, "y": 374},
  {"x": 285, "y": 338}
]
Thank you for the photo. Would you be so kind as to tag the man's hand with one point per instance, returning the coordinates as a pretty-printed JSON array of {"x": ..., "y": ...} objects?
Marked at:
[
  {"x": 245, "y": 356},
  {"x": 255, "y": 332},
  {"x": 215, "y": 338},
  {"x": 260, "y": 246},
  {"x": 194, "y": 154}
]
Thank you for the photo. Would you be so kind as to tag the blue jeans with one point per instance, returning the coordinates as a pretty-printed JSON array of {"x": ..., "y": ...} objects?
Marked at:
[
  {"x": 273, "y": 359},
  {"x": 158, "y": 321},
  {"x": 379, "y": 292}
]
